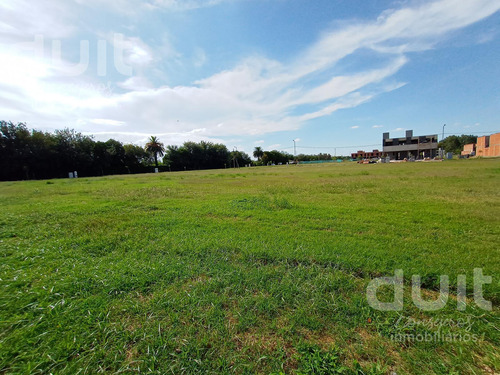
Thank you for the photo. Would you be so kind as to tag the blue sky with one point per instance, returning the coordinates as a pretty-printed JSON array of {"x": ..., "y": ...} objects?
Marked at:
[{"x": 332, "y": 74}]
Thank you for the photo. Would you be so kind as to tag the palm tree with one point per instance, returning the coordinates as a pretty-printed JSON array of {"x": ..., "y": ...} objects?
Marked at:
[
  {"x": 155, "y": 147},
  {"x": 258, "y": 153}
]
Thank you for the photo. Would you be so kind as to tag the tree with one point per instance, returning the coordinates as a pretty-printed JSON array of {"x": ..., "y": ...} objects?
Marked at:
[
  {"x": 155, "y": 147},
  {"x": 455, "y": 143},
  {"x": 74, "y": 152},
  {"x": 193, "y": 156},
  {"x": 238, "y": 158},
  {"x": 115, "y": 155},
  {"x": 136, "y": 158},
  {"x": 32, "y": 154},
  {"x": 276, "y": 157},
  {"x": 14, "y": 150},
  {"x": 258, "y": 153}
]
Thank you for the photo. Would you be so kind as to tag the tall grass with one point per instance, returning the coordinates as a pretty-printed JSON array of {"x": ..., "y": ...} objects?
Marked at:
[{"x": 256, "y": 270}]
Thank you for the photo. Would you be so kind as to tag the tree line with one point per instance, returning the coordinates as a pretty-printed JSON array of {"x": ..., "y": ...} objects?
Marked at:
[
  {"x": 33, "y": 154},
  {"x": 455, "y": 143}
]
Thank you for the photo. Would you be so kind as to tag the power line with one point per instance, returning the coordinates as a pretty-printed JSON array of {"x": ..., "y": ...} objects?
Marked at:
[{"x": 375, "y": 144}]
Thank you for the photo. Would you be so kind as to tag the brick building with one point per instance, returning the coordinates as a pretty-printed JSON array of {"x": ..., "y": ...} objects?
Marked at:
[
  {"x": 469, "y": 150},
  {"x": 488, "y": 145},
  {"x": 366, "y": 155}
]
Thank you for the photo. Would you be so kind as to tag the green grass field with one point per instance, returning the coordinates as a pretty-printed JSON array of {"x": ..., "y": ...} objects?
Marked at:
[{"x": 257, "y": 270}]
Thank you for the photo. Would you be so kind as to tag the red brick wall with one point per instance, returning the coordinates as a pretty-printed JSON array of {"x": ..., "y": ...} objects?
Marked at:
[
  {"x": 468, "y": 148},
  {"x": 494, "y": 146}
]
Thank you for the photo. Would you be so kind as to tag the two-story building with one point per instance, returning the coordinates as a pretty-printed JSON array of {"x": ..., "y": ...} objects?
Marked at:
[
  {"x": 488, "y": 145},
  {"x": 366, "y": 155},
  {"x": 410, "y": 147}
]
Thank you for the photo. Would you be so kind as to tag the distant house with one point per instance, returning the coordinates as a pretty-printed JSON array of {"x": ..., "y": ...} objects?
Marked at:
[
  {"x": 410, "y": 147},
  {"x": 488, "y": 145},
  {"x": 366, "y": 155},
  {"x": 469, "y": 150}
]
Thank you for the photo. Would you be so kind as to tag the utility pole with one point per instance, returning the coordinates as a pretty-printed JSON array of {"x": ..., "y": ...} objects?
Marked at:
[
  {"x": 441, "y": 151},
  {"x": 294, "y": 148}
]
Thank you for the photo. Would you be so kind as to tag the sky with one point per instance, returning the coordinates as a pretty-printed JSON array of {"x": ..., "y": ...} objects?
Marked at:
[{"x": 333, "y": 75}]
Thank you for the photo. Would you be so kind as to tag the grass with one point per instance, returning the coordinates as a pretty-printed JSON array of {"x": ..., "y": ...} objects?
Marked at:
[{"x": 260, "y": 270}]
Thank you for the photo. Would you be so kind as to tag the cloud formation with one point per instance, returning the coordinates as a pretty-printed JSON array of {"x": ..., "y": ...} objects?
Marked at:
[{"x": 257, "y": 96}]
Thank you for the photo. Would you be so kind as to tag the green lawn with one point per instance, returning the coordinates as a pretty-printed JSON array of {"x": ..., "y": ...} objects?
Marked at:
[{"x": 257, "y": 270}]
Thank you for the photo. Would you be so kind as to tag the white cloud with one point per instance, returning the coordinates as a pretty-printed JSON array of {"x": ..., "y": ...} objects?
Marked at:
[
  {"x": 377, "y": 126},
  {"x": 136, "y": 83},
  {"x": 141, "y": 138},
  {"x": 355, "y": 127},
  {"x": 259, "y": 142},
  {"x": 200, "y": 57},
  {"x": 21, "y": 20},
  {"x": 342, "y": 85},
  {"x": 397, "y": 31},
  {"x": 487, "y": 37},
  {"x": 135, "y": 52},
  {"x": 181, "y": 5},
  {"x": 108, "y": 122},
  {"x": 132, "y": 7},
  {"x": 257, "y": 96}
]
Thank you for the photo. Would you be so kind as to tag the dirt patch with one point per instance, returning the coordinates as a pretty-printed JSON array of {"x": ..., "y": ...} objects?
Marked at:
[{"x": 131, "y": 354}]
